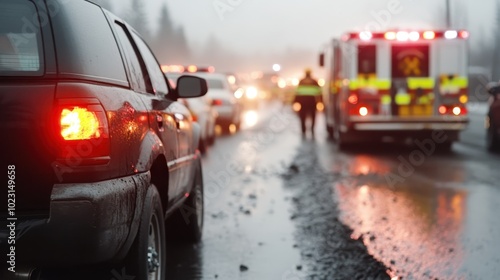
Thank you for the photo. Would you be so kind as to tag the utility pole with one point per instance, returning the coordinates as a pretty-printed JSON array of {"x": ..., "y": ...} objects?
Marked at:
[{"x": 448, "y": 14}]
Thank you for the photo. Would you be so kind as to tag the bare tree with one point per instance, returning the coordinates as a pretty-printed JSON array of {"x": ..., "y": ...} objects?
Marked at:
[
  {"x": 137, "y": 19},
  {"x": 170, "y": 43},
  {"x": 182, "y": 45},
  {"x": 164, "y": 38}
]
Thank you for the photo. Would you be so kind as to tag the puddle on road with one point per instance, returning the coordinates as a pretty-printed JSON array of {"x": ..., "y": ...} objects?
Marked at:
[
  {"x": 400, "y": 227},
  {"x": 423, "y": 228}
]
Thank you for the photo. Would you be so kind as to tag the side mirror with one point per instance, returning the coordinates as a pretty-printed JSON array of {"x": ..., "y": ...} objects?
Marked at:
[
  {"x": 191, "y": 86},
  {"x": 322, "y": 60},
  {"x": 493, "y": 88}
]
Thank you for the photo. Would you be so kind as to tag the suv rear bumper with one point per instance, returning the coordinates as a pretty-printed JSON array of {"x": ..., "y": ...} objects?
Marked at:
[{"x": 88, "y": 223}]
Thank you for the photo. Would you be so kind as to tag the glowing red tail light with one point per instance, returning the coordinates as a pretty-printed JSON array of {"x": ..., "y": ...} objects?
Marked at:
[
  {"x": 79, "y": 123},
  {"x": 217, "y": 102},
  {"x": 84, "y": 132}
]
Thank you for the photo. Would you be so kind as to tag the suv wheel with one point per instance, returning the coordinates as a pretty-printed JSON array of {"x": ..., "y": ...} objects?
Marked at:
[{"x": 147, "y": 256}]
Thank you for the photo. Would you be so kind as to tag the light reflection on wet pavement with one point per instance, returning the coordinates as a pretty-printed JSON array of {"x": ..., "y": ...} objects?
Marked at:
[
  {"x": 438, "y": 223},
  {"x": 248, "y": 233}
]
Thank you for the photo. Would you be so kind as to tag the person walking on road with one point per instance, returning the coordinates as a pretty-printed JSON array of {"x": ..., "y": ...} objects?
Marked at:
[{"x": 307, "y": 94}]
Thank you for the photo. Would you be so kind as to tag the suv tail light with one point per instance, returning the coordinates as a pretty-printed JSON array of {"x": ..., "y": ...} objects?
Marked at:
[{"x": 84, "y": 132}]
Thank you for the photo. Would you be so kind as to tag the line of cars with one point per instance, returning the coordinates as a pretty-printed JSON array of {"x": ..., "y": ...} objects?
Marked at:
[{"x": 219, "y": 107}]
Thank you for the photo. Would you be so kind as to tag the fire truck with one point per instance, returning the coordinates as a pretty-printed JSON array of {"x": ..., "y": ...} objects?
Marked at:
[{"x": 396, "y": 86}]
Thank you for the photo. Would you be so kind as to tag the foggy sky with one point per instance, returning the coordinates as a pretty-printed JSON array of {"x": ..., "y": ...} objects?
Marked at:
[
  {"x": 274, "y": 26},
  {"x": 247, "y": 25}
]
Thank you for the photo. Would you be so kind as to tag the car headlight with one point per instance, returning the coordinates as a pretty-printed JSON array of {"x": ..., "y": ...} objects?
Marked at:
[
  {"x": 251, "y": 93},
  {"x": 238, "y": 93}
]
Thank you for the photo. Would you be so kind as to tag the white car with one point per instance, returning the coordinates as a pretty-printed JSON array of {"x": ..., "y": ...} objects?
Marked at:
[
  {"x": 204, "y": 113},
  {"x": 227, "y": 105}
]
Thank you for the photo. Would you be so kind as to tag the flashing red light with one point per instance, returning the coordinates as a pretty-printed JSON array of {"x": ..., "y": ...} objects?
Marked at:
[
  {"x": 443, "y": 110},
  {"x": 365, "y": 36},
  {"x": 363, "y": 111},
  {"x": 451, "y": 34},
  {"x": 429, "y": 35},
  {"x": 402, "y": 36},
  {"x": 353, "y": 99},
  {"x": 414, "y": 36},
  {"x": 406, "y": 36},
  {"x": 391, "y": 35}
]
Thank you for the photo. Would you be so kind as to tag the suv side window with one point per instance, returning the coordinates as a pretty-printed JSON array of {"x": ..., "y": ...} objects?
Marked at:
[
  {"x": 158, "y": 80},
  {"x": 136, "y": 69}
]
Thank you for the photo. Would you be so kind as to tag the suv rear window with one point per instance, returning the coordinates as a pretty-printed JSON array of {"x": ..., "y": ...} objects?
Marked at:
[{"x": 20, "y": 39}]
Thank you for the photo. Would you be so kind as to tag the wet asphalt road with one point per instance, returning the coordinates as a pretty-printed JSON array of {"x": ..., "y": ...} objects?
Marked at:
[{"x": 282, "y": 207}]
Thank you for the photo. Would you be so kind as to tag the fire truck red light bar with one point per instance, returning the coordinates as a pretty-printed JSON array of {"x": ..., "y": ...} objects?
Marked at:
[{"x": 405, "y": 36}]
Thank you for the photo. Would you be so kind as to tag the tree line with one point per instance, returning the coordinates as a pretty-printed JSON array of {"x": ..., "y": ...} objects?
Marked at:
[{"x": 169, "y": 42}]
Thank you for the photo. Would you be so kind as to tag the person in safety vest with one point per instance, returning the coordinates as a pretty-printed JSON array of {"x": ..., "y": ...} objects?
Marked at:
[{"x": 307, "y": 95}]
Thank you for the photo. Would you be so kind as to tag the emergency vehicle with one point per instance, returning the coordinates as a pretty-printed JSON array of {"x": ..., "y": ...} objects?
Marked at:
[{"x": 396, "y": 85}]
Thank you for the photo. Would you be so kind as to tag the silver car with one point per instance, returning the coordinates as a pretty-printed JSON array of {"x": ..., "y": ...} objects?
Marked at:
[{"x": 227, "y": 105}]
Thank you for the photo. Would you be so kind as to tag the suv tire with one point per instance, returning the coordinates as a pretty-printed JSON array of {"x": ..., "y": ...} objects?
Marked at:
[{"x": 147, "y": 257}]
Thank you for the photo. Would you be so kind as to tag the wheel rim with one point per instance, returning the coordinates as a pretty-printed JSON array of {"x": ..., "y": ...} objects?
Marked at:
[{"x": 154, "y": 258}]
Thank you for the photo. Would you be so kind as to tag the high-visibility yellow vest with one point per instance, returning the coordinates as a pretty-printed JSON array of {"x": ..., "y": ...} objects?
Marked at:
[{"x": 308, "y": 90}]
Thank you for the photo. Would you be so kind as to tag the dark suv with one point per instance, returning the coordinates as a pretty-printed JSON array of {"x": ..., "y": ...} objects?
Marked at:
[{"x": 95, "y": 149}]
